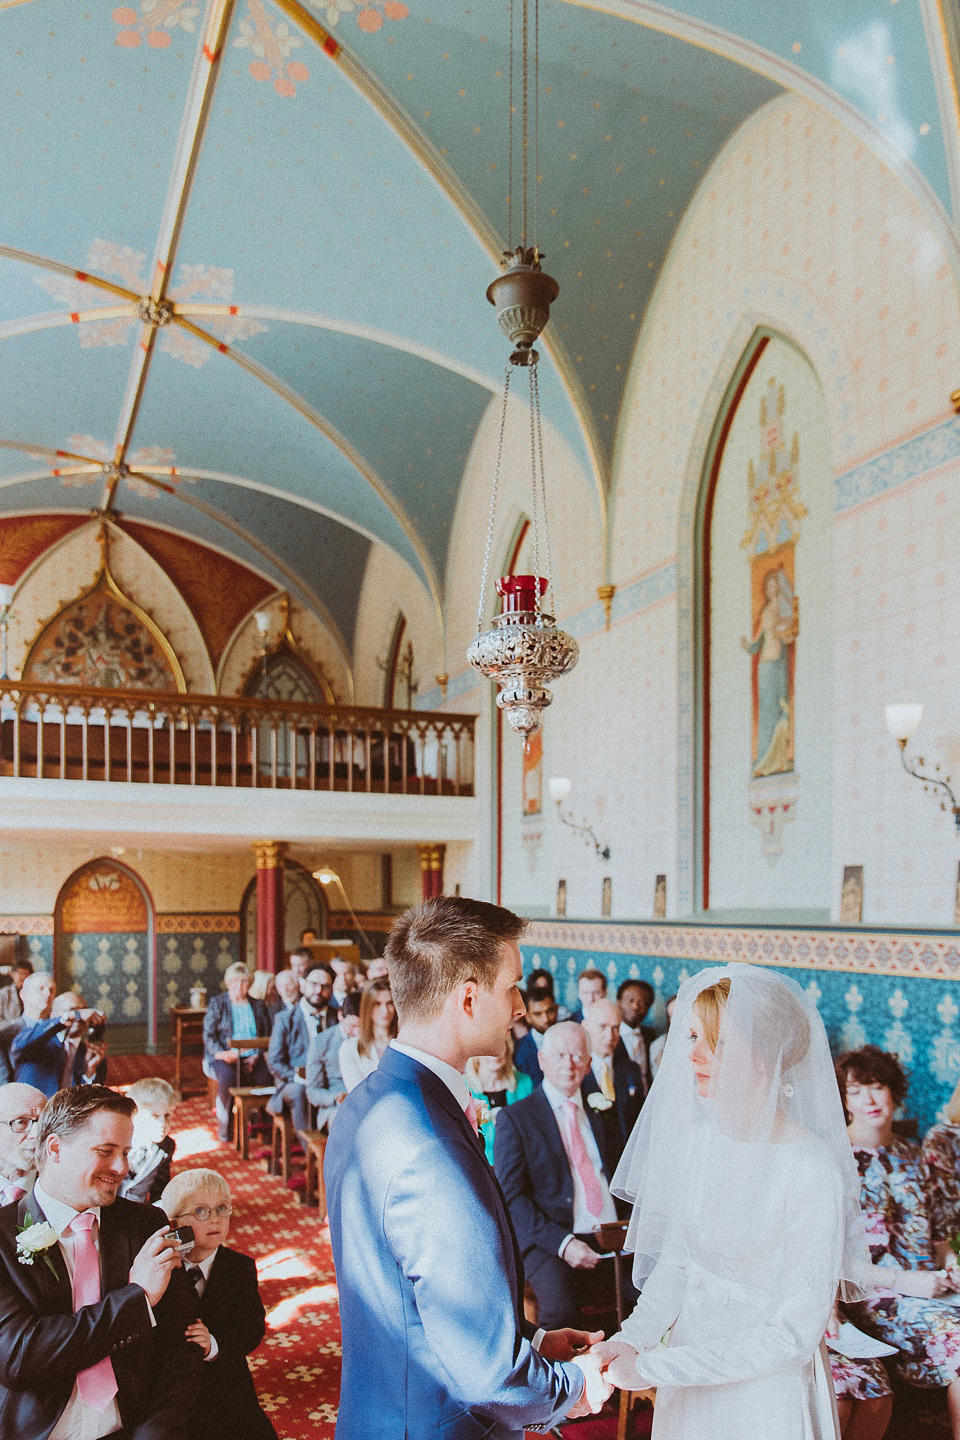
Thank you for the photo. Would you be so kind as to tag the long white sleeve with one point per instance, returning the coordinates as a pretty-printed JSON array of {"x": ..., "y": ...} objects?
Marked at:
[
  {"x": 657, "y": 1308},
  {"x": 790, "y": 1333}
]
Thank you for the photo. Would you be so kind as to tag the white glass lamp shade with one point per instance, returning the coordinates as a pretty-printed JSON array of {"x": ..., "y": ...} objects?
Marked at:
[
  {"x": 262, "y": 618},
  {"x": 559, "y": 787},
  {"x": 903, "y": 720},
  {"x": 326, "y": 876},
  {"x": 6, "y": 597}
]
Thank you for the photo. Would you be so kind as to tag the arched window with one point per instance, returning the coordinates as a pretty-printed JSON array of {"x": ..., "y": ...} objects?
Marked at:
[{"x": 282, "y": 675}]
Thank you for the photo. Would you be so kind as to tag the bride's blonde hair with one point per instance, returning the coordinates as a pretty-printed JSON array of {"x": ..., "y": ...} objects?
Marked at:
[{"x": 709, "y": 1005}]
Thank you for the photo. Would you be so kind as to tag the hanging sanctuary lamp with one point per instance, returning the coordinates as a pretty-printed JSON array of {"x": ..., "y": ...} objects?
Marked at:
[{"x": 523, "y": 650}]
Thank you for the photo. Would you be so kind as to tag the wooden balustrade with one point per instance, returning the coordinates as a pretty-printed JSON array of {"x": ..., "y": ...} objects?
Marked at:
[{"x": 68, "y": 732}]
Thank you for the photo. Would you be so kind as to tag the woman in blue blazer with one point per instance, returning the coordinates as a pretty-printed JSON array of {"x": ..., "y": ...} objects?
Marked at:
[{"x": 234, "y": 1016}]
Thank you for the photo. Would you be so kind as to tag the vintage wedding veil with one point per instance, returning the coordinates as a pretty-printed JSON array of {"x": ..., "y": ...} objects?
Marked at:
[{"x": 711, "y": 1168}]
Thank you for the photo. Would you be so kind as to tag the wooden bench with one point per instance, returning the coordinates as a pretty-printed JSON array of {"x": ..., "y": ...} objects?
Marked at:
[
  {"x": 315, "y": 1192},
  {"x": 633, "y": 1403},
  {"x": 246, "y": 1100},
  {"x": 281, "y": 1141}
]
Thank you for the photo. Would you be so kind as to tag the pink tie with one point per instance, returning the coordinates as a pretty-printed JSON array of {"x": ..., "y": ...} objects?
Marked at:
[
  {"x": 593, "y": 1193},
  {"x": 98, "y": 1384},
  {"x": 12, "y": 1192},
  {"x": 471, "y": 1114}
]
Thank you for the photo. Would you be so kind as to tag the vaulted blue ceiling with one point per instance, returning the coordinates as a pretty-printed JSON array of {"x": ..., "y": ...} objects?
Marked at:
[{"x": 244, "y": 244}]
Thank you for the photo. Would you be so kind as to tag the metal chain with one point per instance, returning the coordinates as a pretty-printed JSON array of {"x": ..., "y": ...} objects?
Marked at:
[
  {"x": 493, "y": 503},
  {"x": 510, "y": 140},
  {"x": 535, "y": 387},
  {"x": 533, "y": 477},
  {"x": 526, "y": 79},
  {"x": 536, "y": 124}
]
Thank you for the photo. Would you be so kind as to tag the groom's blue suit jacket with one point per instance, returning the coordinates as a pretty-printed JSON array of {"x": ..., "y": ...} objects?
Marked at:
[{"x": 430, "y": 1277}]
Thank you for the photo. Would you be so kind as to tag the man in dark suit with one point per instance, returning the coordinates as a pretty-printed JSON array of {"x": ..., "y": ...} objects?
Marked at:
[
  {"x": 49, "y": 1051},
  {"x": 554, "y": 1157},
  {"x": 429, "y": 1275},
  {"x": 92, "y": 1333},
  {"x": 541, "y": 1014},
  {"x": 325, "y": 1087},
  {"x": 612, "y": 1073},
  {"x": 290, "y": 1038},
  {"x": 635, "y": 998}
]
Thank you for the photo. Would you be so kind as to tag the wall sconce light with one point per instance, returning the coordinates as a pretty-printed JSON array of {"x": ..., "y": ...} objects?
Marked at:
[
  {"x": 903, "y": 722},
  {"x": 6, "y": 615},
  {"x": 560, "y": 787},
  {"x": 328, "y": 877}
]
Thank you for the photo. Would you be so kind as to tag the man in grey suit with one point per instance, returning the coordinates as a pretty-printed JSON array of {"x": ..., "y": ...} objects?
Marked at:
[{"x": 325, "y": 1087}]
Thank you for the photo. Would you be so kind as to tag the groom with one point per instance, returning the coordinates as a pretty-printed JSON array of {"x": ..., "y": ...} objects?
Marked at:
[{"x": 429, "y": 1273}]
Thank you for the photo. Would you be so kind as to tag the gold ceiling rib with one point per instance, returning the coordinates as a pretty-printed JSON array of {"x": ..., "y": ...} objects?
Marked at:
[
  {"x": 154, "y": 309},
  {"x": 463, "y": 202}
]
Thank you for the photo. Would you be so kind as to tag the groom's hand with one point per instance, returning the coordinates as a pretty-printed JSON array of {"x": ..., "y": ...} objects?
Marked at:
[
  {"x": 596, "y": 1390},
  {"x": 567, "y": 1344}
]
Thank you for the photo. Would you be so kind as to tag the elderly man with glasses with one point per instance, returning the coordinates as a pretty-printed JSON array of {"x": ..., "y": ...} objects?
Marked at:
[{"x": 20, "y": 1107}]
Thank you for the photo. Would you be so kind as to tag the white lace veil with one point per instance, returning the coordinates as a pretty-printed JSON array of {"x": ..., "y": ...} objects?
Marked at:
[{"x": 702, "y": 1167}]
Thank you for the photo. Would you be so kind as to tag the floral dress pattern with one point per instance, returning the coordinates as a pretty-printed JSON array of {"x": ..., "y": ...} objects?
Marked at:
[
  {"x": 941, "y": 1156},
  {"x": 858, "y": 1379},
  {"x": 893, "y": 1186}
]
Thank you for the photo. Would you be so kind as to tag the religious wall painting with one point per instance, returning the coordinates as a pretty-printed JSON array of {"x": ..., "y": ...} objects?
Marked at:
[
  {"x": 660, "y": 898},
  {"x": 99, "y": 641},
  {"x": 775, "y": 515},
  {"x": 533, "y": 774},
  {"x": 851, "y": 895}
]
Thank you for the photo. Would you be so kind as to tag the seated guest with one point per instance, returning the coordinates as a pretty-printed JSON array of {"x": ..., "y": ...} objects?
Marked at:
[
  {"x": 325, "y": 1087},
  {"x": 344, "y": 978},
  {"x": 591, "y": 987},
  {"x": 941, "y": 1156},
  {"x": 10, "y": 1006},
  {"x": 54, "y": 1051},
  {"x": 232, "y": 1322},
  {"x": 554, "y": 1158},
  {"x": 377, "y": 969},
  {"x": 99, "y": 1346},
  {"x": 541, "y": 1014},
  {"x": 307, "y": 938},
  {"x": 288, "y": 990},
  {"x": 290, "y": 1039},
  {"x": 612, "y": 1073},
  {"x": 263, "y": 987},
  {"x": 906, "y": 1308},
  {"x": 494, "y": 1082},
  {"x": 864, "y": 1395},
  {"x": 635, "y": 998},
  {"x": 233, "y": 1016},
  {"x": 152, "y": 1149},
  {"x": 541, "y": 978},
  {"x": 300, "y": 960},
  {"x": 656, "y": 1046},
  {"x": 20, "y": 1107},
  {"x": 378, "y": 1026}
]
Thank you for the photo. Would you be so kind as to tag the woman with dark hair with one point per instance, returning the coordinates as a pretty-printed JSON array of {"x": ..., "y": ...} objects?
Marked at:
[
  {"x": 941, "y": 1155},
  {"x": 906, "y": 1308},
  {"x": 360, "y": 1056}
]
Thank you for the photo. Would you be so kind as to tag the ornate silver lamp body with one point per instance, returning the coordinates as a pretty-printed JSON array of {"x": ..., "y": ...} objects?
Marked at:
[{"x": 522, "y": 652}]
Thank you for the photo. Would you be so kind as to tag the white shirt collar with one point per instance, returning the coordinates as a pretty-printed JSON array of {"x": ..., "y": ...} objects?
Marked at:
[
  {"x": 204, "y": 1266},
  {"x": 558, "y": 1100},
  {"x": 61, "y": 1216},
  {"x": 450, "y": 1076},
  {"x": 307, "y": 1011}
]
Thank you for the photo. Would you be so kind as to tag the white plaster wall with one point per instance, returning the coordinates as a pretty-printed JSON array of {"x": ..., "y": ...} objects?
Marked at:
[
  {"x": 742, "y": 876},
  {"x": 390, "y": 588},
  {"x": 799, "y": 228}
]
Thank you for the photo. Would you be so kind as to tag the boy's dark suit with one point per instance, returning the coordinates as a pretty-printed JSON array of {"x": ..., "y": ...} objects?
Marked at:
[
  {"x": 149, "y": 1176},
  {"x": 44, "y": 1343},
  {"x": 230, "y": 1307}
]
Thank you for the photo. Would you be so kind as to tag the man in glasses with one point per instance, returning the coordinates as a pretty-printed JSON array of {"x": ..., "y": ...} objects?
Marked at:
[{"x": 20, "y": 1107}]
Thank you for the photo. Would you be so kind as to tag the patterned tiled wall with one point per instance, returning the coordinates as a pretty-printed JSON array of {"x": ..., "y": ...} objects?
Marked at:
[
  {"x": 891, "y": 989},
  {"x": 186, "y": 956}
]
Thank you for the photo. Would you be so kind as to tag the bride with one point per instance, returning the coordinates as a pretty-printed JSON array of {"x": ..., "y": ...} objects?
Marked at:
[{"x": 746, "y": 1217}]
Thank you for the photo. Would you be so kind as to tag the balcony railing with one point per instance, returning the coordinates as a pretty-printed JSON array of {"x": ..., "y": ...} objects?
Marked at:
[{"x": 67, "y": 732}]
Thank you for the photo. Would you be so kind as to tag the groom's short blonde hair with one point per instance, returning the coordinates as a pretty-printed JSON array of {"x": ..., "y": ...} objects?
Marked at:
[{"x": 438, "y": 945}]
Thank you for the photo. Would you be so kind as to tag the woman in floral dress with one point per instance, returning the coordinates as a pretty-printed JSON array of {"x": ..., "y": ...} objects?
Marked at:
[
  {"x": 941, "y": 1155},
  {"x": 912, "y": 1305}
]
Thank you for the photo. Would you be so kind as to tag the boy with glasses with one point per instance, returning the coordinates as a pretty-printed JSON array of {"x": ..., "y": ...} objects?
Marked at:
[{"x": 232, "y": 1320}]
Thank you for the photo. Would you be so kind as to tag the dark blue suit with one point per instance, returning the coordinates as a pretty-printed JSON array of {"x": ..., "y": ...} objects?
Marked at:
[
  {"x": 526, "y": 1057},
  {"x": 36, "y": 1054},
  {"x": 630, "y": 1088},
  {"x": 429, "y": 1273}
]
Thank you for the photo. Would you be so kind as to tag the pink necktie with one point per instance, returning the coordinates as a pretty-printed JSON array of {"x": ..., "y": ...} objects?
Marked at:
[
  {"x": 471, "y": 1114},
  {"x": 98, "y": 1384},
  {"x": 12, "y": 1192},
  {"x": 592, "y": 1190}
]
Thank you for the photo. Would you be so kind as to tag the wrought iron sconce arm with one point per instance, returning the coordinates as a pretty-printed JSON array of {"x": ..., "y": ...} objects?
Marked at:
[
  {"x": 559, "y": 788},
  {"x": 932, "y": 783}
]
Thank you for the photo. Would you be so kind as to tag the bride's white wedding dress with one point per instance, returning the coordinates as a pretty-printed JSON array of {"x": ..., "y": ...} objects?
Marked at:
[{"x": 738, "y": 1355}]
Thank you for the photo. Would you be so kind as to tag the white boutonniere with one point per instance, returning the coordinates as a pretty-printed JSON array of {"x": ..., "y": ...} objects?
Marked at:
[
  {"x": 484, "y": 1113},
  {"x": 598, "y": 1101},
  {"x": 36, "y": 1237}
]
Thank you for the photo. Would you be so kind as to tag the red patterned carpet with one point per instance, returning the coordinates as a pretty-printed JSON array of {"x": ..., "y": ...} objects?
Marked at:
[{"x": 297, "y": 1368}]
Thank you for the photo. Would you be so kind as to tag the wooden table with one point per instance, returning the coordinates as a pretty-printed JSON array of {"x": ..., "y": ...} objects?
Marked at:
[
  {"x": 246, "y": 1099},
  {"x": 187, "y": 1031}
]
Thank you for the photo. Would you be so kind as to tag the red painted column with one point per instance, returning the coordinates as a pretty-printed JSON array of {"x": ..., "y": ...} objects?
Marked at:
[
  {"x": 431, "y": 870},
  {"x": 269, "y": 855}
]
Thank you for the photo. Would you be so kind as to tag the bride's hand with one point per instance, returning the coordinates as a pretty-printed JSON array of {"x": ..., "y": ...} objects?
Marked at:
[{"x": 619, "y": 1362}]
